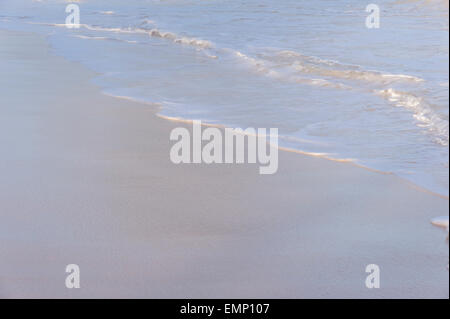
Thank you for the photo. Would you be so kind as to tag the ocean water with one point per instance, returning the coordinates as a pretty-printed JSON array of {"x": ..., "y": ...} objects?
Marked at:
[{"x": 312, "y": 69}]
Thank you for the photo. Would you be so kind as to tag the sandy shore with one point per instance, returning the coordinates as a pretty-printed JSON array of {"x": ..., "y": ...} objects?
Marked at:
[{"x": 87, "y": 179}]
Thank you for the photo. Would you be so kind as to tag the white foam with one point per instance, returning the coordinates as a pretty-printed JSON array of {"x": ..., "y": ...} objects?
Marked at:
[
  {"x": 441, "y": 221},
  {"x": 153, "y": 33},
  {"x": 423, "y": 113}
]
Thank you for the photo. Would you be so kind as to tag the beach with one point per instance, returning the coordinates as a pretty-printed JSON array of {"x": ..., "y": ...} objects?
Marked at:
[{"x": 86, "y": 179}]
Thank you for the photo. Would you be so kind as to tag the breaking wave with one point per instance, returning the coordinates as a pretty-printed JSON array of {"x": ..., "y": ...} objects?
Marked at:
[
  {"x": 422, "y": 111},
  {"x": 154, "y": 32}
]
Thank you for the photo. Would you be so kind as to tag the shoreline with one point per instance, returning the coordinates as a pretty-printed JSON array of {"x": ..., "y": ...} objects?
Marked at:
[
  {"x": 444, "y": 195},
  {"x": 286, "y": 149},
  {"x": 317, "y": 155},
  {"x": 87, "y": 179}
]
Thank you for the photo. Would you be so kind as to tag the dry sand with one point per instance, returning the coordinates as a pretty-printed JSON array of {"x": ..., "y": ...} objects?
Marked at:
[{"x": 86, "y": 179}]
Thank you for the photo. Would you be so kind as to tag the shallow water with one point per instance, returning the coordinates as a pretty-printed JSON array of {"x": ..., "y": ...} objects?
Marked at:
[{"x": 310, "y": 68}]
